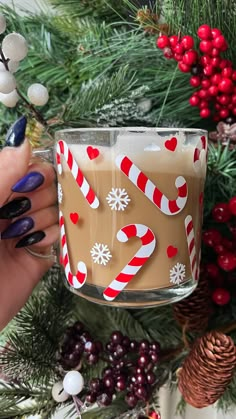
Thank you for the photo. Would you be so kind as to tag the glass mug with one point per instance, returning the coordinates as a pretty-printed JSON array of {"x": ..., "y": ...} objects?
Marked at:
[{"x": 130, "y": 212}]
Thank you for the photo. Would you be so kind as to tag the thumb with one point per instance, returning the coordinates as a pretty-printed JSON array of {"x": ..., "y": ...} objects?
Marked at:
[{"x": 14, "y": 162}]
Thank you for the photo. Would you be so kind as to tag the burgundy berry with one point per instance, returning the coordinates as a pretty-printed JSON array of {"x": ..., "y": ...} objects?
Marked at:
[
  {"x": 143, "y": 346},
  {"x": 85, "y": 337},
  {"x": 116, "y": 337},
  {"x": 95, "y": 385},
  {"x": 141, "y": 393},
  {"x": 90, "y": 347},
  {"x": 155, "y": 347},
  {"x": 107, "y": 371},
  {"x": 92, "y": 359},
  {"x": 133, "y": 345},
  {"x": 78, "y": 327},
  {"x": 120, "y": 384},
  {"x": 109, "y": 382},
  {"x": 140, "y": 379},
  {"x": 91, "y": 397},
  {"x": 131, "y": 399},
  {"x": 150, "y": 377},
  {"x": 126, "y": 341},
  {"x": 143, "y": 360}
]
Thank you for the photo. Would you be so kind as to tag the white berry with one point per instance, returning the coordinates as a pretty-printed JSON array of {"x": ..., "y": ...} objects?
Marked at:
[
  {"x": 38, "y": 94},
  {"x": 2, "y": 23},
  {"x": 13, "y": 65},
  {"x": 58, "y": 393},
  {"x": 7, "y": 82},
  {"x": 10, "y": 99},
  {"x": 14, "y": 46},
  {"x": 73, "y": 383}
]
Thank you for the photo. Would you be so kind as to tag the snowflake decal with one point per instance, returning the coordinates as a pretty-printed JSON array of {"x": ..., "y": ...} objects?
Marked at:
[
  {"x": 177, "y": 273},
  {"x": 59, "y": 193},
  {"x": 118, "y": 199},
  {"x": 100, "y": 254}
]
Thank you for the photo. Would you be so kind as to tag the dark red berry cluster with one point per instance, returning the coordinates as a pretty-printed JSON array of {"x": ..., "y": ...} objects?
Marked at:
[
  {"x": 221, "y": 242},
  {"x": 130, "y": 369},
  {"x": 78, "y": 345},
  {"x": 212, "y": 76}
]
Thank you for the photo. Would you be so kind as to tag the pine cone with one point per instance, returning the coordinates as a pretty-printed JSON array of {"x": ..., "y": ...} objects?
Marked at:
[
  {"x": 194, "y": 311},
  {"x": 208, "y": 369}
]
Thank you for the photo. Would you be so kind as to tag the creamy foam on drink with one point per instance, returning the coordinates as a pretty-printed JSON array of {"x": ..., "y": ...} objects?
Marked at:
[{"x": 100, "y": 226}]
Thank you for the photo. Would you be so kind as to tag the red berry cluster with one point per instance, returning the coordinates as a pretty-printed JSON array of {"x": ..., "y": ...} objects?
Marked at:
[
  {"x": 212, "y": 76},
  {"x": 221, "y": 271},
  {"x": 130, "y": 365}
]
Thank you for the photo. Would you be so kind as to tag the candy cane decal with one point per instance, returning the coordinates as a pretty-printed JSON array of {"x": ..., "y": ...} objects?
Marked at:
[
  {"x": 78, "y": 280},
  {"x": 191, "y": 246},
  {"x": 141, "y": 181},
  {"x": 87, "y": 191},
  {"x": 135, "y": 264},
  {"x": 202, "y": 145}
]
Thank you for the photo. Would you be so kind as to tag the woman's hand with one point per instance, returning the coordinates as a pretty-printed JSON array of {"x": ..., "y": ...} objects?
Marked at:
[{"x": 28, "y": 218}]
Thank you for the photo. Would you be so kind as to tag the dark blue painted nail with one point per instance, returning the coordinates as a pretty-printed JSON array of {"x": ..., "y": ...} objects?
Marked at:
[
  {"x": 18, "y": 228},
  {"x": 28, "y": 183},
  {"x": 16, "y": 133}
]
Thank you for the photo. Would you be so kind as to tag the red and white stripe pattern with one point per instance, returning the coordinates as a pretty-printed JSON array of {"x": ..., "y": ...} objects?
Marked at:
[
  {"x": 141, "y": 181},
  {"x": 201, "y": 146},
  {"x": 78, "y": 280},
  {"x": 148, "y": 241},
  {"x": 191, "y": 246},
  {"x": 87, "y": 191}
]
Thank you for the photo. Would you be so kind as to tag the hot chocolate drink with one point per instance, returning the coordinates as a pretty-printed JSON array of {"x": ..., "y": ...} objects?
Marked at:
[{"x": 131, "y": 214}]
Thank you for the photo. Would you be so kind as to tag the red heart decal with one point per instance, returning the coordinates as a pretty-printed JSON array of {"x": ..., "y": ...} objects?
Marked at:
[
  {"x": 171, "y": 251},
  {"x": 74, "y": 216},
  {"x": 93, "y": 153},
  {"x": 171, "y": 144}
]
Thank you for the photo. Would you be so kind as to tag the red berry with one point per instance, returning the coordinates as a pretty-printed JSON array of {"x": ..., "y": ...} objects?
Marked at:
[
  {"x": 216, "y": 32},
  {"x": 205, "y": 113},
  {"x": 215, "y": 52},
  {"x": 215, "y": 61},
  {"x": 179, "y": 49},
  {"x": 190, "y": 57},
  {"x": 223, "y": 99},
  {"x": 232, "y": 205},
  {"x": 233, "y": 99},
  {"x": 211, "y": 237},
  {"x": 195, "y": 81},
  {"x": 163, "y": 41},
  {"x": 167, "y": 53},
  {"x": 184, "y": 67},
  {"x": 216, "y": 118},
  {"x": 206, "y": 83},
  {"x": 224, "y": 113},
  {"x": 206, "y": 46},
  {"x": 188, "y": 42},
  {"x": 178, "y": 57},
  {"x": 221, "y": 212},
  {"x": 219, "y": 42},
  {"x": 216, "y": 78},
  {"x": 234, "y": 75},
  {"x": 203, "y": 93},
  {"x": 234, "y": 111},
  {"x": 204, "y": 32},
  {"x": 227, "y": 261},
  {"x": 194, "y": 100},
  {"x": 154, "y": 415},
  {"x": 213, "y": 90},
  {"x": 212, "y": 270},
  {"x": 208, "y": 70},
  {"x": 226, "y": 85},
  {"x": 203, "y": 104},
  {"x": 225, "y": 63},
  {"x": 173, "y": 40},
  {"x": 227, "y": 72},
  {"x": 221, "y": 296},
  {"x": 219, "y": 249},
  {"x": 205, "y": 60},
  {"x": 227, "y": 243},
  {"x": 218, "y": 106}
]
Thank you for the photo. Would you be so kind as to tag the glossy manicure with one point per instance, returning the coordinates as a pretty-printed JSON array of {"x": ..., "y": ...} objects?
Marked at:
[
  {"x": 16, "y": 133},
  {"x": 18, "y": 228},
  {"x": 15, "y": 208},
  {"x": 30, "y": 239},
  {"x": 28, "y": 183}
]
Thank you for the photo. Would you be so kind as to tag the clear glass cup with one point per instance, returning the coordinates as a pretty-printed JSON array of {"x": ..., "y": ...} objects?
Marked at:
[{"x": 130, "y": 202}]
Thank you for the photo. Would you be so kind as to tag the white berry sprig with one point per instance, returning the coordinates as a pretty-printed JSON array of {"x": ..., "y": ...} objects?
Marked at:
[{"x": 14, "y": 49}]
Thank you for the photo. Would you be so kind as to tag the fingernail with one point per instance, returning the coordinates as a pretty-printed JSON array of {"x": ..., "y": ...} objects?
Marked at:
[
  {"x": 18, "y": 228},
  {"x": 16, "y": 133},
  {"x": 30, "y": 239},
  {"x": 28, "y": 183},
  {"x": 15, "y": 208}
]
